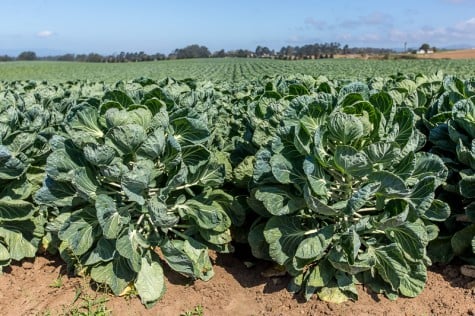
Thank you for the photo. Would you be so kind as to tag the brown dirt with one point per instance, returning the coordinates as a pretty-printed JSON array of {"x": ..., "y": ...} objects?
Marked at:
[
  {"x": 454, "y": 54},
  {"x": 26, "y": 289}
]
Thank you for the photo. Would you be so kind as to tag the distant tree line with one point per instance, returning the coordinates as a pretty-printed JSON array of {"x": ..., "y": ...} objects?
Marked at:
[{"x": 309, "y": 51}]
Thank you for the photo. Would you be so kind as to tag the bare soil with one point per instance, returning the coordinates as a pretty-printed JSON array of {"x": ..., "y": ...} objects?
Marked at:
[
  {"x": 32, "y": 288},
  {"x": 454, "y": 54}
]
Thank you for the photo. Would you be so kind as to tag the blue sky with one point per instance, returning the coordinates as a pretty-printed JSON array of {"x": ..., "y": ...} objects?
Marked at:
[{"x": 109, "y": 27}]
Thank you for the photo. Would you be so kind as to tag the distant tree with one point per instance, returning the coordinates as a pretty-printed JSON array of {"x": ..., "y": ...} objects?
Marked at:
[
  {"x": 66, "y": 57},
  {"x": 27, "y": 55},
  {"x": 219, "y": 54},
  {"x": 6, "y": 58},
  {"x": 240, "y": 53},
  {"x": 345, "y": 49},
  {"x": 425, "y": 47},
  {"x": 192, "y": 51},
  {"x": 158, "y": 56},
  {"x": 262, "y": 51},
  {"x": 94, "y": 58}
]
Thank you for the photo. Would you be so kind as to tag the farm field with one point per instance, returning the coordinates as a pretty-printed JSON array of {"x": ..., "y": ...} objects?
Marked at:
[
  {"x": 344, "y": 186},
  {"x": 228, "y": 69},
  {"x": 454, "y": 54}
]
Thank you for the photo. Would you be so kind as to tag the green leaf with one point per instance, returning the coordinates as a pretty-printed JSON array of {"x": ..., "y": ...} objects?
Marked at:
[
  {"x": 110, "y": 218},
  {"x": 257, "y": 241},
  {"x": 130, "y": 245},
  {"x": 4, "y": 255},
  {"x": 188, "y": 257},
  {"x": 136, "y": 181},
  {"x": 150, "y": 283},
  {"x": 414, "y": 282},
  {"x": 160, "y": 215},
  {"x": 439, "y": 211},
  {"x": 351, "y": 245},
  {"x": 154, "y": 146},
  {"x": 440, "y": 250},
  {"x": 116, "y": 274},
  {"x": 321, "y": 274},
  {"x": 467, "y": 186},
  {"x": 390, "y": 183},
  {"x": 411, "y": 237},
  {"x": 195, "y": 156},
  {"x": 391, "y": 265},
  {"x": 278, "y": 201},
  {"x": 55, "y": 193},
  {"x": 189, "y": 131},
  {"x": 351, "y": 161},
  {"x": 316, "y": 205},
  {"x": 284, "y": 234},
  {"x": 85, "y": 183},
  {"x": 103, "y": 252},
  {"x": 61, "y": 164},
  {"x": 340, "y": 260},
  {"x": 283, "y": 170},
  {"x": 422, "y": 195},
  {"x": 361, "y": 197},
  {"x": 79, "y": 231},
  {"x": 383, "y": 152},
  {"x": 99, "y": 154},
  {"x": 332, "y": 294},
  {"x": 15, "y": 210},
  {"x": 313, "y": 247},
  {"x": 430, "y": 165},
  {"x": 118, "y": 96},
  {"x": 346, "y": 284},
  {"x": 207, "y": 216},
  {"x": 127, "y": 138},
  {"x": 10, "y": 166},
  {"x": 345, "y": 128},
  {"x": 85, "y": 119},
  {"x": 18, "y": 246},
  {"x": 462, "y": 240}
]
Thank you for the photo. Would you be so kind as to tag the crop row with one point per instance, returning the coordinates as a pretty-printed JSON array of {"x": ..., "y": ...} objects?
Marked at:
[
  {"x": 338, "y": 182},
  {"x": 228, "y": 69}
]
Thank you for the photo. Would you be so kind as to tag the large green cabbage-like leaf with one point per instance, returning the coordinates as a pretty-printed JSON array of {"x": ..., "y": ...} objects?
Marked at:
[
  {"x": 127, "y": 138},
  {"x": 110, "y": 217},
  {"x": 411, "y": 237},
  {"x": 79, "y": 231},
  {"x": 15, "y": 210},
  {"x": 284, "y": 235},
  {"x": 85, "y": 119},
  {"x": 150, "y": 282},
  {"x": 316, "y": 244},
  {"x": 350, "y": 161},
  {"x": 116, "y": 274},
  {"x": 190, "y": 131},
  {"x": 136, "y": 181},
  {"x": 10, "y": 166},
  {"x": 345, "y": 128},
  {"x": 18, "y": 246},
  {"x": 278, "y": 201},
  {"x": 188, "y": 257}
]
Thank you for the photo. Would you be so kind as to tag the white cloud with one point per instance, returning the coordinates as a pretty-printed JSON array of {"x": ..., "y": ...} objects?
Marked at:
[
  {"x": 466, "y": 26},
  {"x": 463, "y": 31},
  {"x": 45, "y": 33}
]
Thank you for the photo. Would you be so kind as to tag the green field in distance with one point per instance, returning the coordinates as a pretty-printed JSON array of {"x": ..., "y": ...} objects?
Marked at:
[{"x": 228, "y": 69}]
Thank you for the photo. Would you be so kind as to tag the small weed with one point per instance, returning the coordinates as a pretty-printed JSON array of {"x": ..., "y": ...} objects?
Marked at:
[
  {"x": 197, "y": 311},
  {"x": 57, "y": 283},
  {"x": 88, "y": 305}
]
